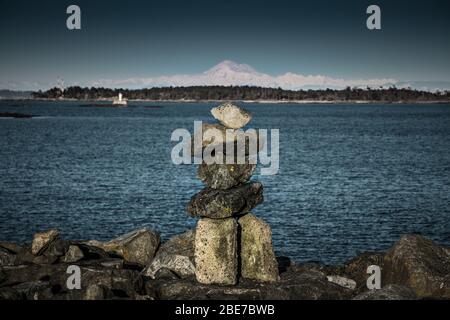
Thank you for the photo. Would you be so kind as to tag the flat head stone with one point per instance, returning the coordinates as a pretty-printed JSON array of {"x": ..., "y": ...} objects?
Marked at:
[
  {"x": 216, "y": 251},
  {"x": 231, "y": 116}
]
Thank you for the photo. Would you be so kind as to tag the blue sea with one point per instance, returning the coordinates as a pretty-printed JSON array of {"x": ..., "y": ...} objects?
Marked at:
[{"x": 352, "y": 178}]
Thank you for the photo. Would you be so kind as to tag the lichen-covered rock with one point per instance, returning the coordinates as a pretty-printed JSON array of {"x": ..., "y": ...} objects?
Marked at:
[
  {"x": 138, "y": 246},
  {"x": 42, "y": 240},
  {"x": 225, "y": 176},
  {"x": 95, "y": 292},
  {"x": 73, "y": 254},
  {"x": 257, "y": 256},
  {"x": 420, "y": 264},
  {"x": 216, "y": 251},
  {"x": 231, "y": 116},
  {"x": 389, "y": 292},
  {"x": 218, "y": 204}
]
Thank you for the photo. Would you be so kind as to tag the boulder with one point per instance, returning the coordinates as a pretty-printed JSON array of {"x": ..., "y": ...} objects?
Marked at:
[
  {"x": 293, "y": 285},
  {"x": 356, "y": 268},
  {"x": 57, "y": 248},
  {"x": 12, "y": 247},
  {"x": 73, "y": 254},
  {"x": 389, "y": 292},
  {"x": 7, "y": 258},
  {"x": 300, "y": 284},
  {"x": 95, "y": 292},
  {"x": 420, "y": 264},
  {"x": 216, "y": 251},
  {"x": 8, "y": 293},
  {"x": 35, "y": 290},
  {"x": 225, "y": 176},
  {"x": 231, "y": 116},
  {"x": 218, "y": 204},
  {"x": 176, "y": 255},
  {"x": 138, "y": 246},
  {"x": 258, "y": 259},
  {"x": 42, "y": 240}
]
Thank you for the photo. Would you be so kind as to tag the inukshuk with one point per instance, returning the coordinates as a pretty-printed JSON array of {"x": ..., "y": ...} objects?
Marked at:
[{"x": 230, "y": 241}]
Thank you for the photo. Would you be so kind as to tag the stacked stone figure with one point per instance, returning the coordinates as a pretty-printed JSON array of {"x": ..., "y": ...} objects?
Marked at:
[{"x": 229, "y": 240}]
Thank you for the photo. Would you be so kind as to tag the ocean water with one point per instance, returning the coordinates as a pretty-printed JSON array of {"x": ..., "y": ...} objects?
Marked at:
[{"x": 352, "y": 178}]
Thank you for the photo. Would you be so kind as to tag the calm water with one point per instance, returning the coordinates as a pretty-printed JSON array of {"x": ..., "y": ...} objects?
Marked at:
[{"x": 352, "y": 178}]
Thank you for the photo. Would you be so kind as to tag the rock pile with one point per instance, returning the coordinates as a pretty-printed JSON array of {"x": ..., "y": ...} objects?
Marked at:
[
  {"x": 229, "y": 240},
  {"x": 414, "y": 268}
]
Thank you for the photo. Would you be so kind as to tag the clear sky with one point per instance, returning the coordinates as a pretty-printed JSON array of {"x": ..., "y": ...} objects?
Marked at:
[{"x": 129, "y": 39}]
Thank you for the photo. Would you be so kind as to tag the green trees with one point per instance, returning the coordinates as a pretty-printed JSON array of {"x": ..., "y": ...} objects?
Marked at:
[{"x": 391, "y": 94}]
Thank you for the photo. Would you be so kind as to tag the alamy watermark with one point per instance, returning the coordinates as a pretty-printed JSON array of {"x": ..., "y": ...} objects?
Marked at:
[{"x": 212, "y": 145}]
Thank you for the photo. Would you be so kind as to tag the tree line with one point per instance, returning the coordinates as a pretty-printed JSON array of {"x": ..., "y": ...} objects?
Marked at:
[{"x": 391, "y": 94}]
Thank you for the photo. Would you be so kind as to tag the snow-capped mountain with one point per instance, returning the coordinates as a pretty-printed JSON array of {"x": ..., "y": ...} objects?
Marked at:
[{"x": 228, "y": 73}]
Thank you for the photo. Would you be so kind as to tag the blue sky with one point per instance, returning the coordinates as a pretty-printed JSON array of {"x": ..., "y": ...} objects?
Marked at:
[{"x": 141, "y": 39}]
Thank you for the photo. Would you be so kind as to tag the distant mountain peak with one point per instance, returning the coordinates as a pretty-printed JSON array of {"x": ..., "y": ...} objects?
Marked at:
[
  {"x": 228, "y": 66},
  {"x": 230, "y": 73}
]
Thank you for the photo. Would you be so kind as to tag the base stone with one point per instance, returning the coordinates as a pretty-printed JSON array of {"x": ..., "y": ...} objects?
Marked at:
[
  {"x": 216, "y": 251},
  {"x": 258, "y": 260}
]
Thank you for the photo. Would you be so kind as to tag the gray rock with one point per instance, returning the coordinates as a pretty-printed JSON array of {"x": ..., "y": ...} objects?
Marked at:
[
  {"x": 389, "y": 292},
  {"x": 218, "y": 204},
  {"x": 180, "y": 265},
  {"x": 220, "y": 138},
  {"x": 210, "y": 135},
  {"x": 138, "y": 246},
  {"x": 294, "y": 285},
  {"x": 95, "y": 292},
  {"x": 8, "y": 293},
  {"x": 73, "y": 254},
  {"x": 42, "y": 240},
  {"x": 231, "y": 116},
  {"x": 56, "y": 248},
  {"x": 7, "y": 258},
  {"x": 45, "y": 259},
  {"x": 420, "y": 264},
  {"x": 258, "y": 260},
  {"x": 225, "y": 176},
  {"x": 177, "y": 255},
  {"x": 35, "y": 290},
  {"x": 12, "y": 247},
  {"x": 164, "y": 273},
  {"x": 216, "y": 251},
  {"x": 356, "y": 268},
  {"x": 310, "y": 285}
]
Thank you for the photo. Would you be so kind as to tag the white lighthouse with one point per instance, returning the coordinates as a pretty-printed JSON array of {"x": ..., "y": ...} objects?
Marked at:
[{"x": 119, "y": 101}]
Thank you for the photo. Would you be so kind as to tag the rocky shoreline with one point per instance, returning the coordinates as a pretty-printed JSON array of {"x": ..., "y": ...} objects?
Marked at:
[{"x": 137, "y": 266}]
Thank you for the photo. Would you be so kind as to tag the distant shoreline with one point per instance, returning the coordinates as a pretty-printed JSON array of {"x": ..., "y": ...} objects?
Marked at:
[{"x": 242, "y": 101}]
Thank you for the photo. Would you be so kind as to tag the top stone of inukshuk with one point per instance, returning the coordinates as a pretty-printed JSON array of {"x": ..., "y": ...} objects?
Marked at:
[{"x": 224, "y": 207}]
